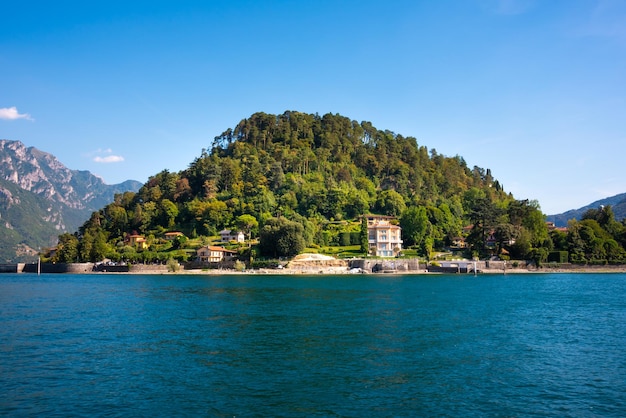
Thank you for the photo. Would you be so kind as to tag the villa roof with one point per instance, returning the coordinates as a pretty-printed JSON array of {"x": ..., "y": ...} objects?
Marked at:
[{"x": 216, "y": 248}]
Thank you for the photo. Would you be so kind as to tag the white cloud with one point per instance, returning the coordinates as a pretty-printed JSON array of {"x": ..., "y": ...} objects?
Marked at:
[
  {"x": 104, "y": 155},
  {"x": 109, "y": 159},
  {"x": 11, "y": 113}
]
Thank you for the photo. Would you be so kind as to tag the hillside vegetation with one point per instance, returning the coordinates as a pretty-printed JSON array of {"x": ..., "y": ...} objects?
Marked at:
[
  {"x": 309, "y": 178},
  {"x": 27, "y": 223}
]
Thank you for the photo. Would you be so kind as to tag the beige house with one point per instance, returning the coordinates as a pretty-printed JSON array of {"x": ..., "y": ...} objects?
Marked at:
[
  {"x": 171, "y": 236},
  {"x": 458, "y": 242},
  {"x": 213, "y": 254},
  {"x": 383, "y": 236}
]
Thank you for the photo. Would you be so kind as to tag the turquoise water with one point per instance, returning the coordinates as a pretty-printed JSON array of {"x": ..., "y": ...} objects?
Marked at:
[{"x": 296, "y": 346}]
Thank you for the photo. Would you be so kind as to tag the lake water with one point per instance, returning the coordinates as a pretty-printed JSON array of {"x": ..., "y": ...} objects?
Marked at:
[{"x": 299, "y": 346}]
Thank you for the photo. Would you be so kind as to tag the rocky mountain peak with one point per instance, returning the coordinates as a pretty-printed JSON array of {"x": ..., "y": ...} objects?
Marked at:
[
  {"x": 43, "y": 174},
  {"x": 38, "y": 172},
  {"x": 40, "y": 197}
]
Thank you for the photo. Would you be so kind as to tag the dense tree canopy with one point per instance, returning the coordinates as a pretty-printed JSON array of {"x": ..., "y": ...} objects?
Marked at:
[
  {"x": 271, "y": 172},
  {"x": 598, "y": 237}
]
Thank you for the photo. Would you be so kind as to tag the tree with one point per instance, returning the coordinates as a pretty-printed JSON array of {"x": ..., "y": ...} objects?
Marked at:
[
  {"x": 149, "y": 214},
  {"x": 522, "y": 248},
  {"x": 216, "y": 212},
  {"x": 363, "y": 236},
  {"x": 357, "y": 203},
  {"x": 117, "y": 219},
  {"x": 247, "y": 223},
  {"x": 605, "y": 217},
  {"x": 172, "y": 265},
  {"x": 575, "y": 243},
  {"x": 67, "y": 249},
  {"x": 101, "y": 248},
  {"x": 169, "y": 212},
  {"x": 179, "y": 242},
  {"x": 484, "y": 215},
  {"x": 336, "y": 200},
  {"x": 535, "y": 223},
  {"x": 183, "y": 190},
  {"x": 93, "y": 246},
  {"x": 415, "y": 225},
  {"x": 559, "y": 240},
  {"x": 390, "y": 202},
  {"x": 614, "y": 252},
  {"x": 505, "y": 233},
  {"x": 280, "y": 237},
  {"x": 276, "y": 177},
  {"x": 427, "y": 248}
]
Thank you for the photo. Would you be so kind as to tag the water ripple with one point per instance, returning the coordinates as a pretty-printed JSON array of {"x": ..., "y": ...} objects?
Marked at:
[{"x": 106, "y": 345}]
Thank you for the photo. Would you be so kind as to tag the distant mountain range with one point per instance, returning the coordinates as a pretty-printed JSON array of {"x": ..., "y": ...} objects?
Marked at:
[
  {"x": 40, "y": 198},
  {"x": 617, "y": 203}
]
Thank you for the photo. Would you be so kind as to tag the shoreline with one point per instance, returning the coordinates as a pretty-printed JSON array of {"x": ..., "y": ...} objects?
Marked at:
[
  {"x": 300, "y": 270},
  {"x": 337, "y": 272}
]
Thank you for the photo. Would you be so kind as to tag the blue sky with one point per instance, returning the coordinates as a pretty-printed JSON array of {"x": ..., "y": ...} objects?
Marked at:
[{"x": 535, "y": 90}]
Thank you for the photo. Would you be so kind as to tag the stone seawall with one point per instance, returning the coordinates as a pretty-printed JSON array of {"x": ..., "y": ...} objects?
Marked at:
[
  {"x": 9, "y": 268},
  {"x": 387, "y": 266},
  {"x": 147, "y": 268},
  {"x": 77, "y": 268},
  {"x": 316, "y": 266},
  {"x": 81, "y": 268}
]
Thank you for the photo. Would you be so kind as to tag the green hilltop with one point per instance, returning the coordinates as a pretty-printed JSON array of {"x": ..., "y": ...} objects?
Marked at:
[{"x": 310, "y": 178}]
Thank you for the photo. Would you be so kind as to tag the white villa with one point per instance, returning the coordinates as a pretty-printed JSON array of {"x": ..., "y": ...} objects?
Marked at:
[
  {"x": 228, "y": 235},
  {"x": 384, "y": 238}
]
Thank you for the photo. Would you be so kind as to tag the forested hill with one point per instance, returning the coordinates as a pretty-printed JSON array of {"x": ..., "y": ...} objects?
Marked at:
[
  {"x": 331, "y": 165},
  {"x": 321, "y": 173}
]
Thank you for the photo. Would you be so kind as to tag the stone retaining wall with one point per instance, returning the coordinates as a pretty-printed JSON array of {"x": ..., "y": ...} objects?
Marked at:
[
  {"x": 8, "y": 268},
  {"x": 148, "y": 268},
  {"x": 390, "y": 266},
  {"x": 57, "y": 268},
  {"x": 81, "y": 268}
]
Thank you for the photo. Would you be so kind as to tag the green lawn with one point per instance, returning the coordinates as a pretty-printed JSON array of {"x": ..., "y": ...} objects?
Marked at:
[{"x": 348, "y": 251}]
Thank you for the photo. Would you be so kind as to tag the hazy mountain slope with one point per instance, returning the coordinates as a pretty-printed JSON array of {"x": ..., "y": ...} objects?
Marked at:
[
  {"x": 42, "y": 174},
  {"x": 617, "y": 203},
  {"x": 27, "y": 222},
  {"x": 41, "y": 198}
]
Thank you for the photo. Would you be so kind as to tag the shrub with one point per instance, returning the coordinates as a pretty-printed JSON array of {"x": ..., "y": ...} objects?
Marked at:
[
  {"x": 172, "y": 265},
  {"x": 239, "y": 265},
  {"x": 260, "y": 264},
  {"x": 558, "y": 257},
  {"x": 344, "y": 239}
]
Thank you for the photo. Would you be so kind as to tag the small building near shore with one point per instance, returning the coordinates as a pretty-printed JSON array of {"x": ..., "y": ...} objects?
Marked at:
[{"x": 214, "y": 254}]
